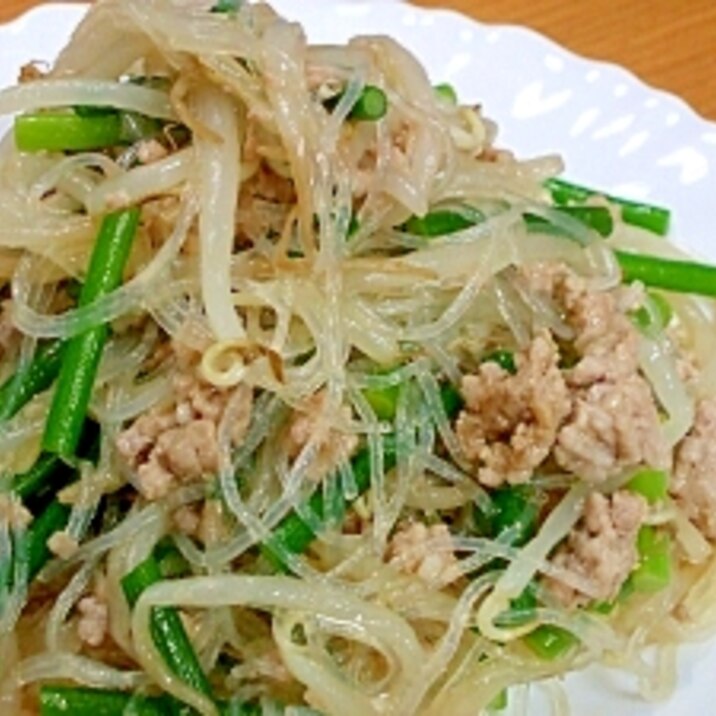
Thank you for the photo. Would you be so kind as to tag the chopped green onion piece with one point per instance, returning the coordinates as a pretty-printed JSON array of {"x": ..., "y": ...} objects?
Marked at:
[
  {"x": 651, "y": 484},
  {"x": 446, "y": 92},
  {"x": 30, "y": 379},
  {"x": 79, "y": 701},
  {"x": 550, "y": 642},
  {"x": 167, "y": 629},
  {"x": 50, "y": 473},
  {"x": 91, "y": 110},
  {"x": 652, "y": 218},
  {"x": 371, "y": 106},
  {"x": 521, "y": 611},
  {"x": 443, "y": 222},
  {"x": 227, "y": 6},
  {"x": 47, "y": 468},
  {"x": 384, "y": 401},
  {"x": 452, "y": 400},
  {"x": 353, "y": 226},
  {"x": 604, "y": 608},
  {"x": 625, "y": 592},
  {"x": 83, "y": 701},
  {"x": 82, "y": 353},
  {"x": 53, "y": 519},
  {"x": 505, "y": 359},
  {"x": 499, "y": 703},
  {"x": 668, "y": 274},
  {"x": 654, "y": 571},
  {"x": 514, "y": 509},
  {"x": 65, "y": 132},
  {"x": 662, "y": 307},
  {"x": 656, "y": 315}
]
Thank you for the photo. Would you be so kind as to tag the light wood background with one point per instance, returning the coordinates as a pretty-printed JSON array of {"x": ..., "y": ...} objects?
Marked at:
[{"x": 670, "y": 44}]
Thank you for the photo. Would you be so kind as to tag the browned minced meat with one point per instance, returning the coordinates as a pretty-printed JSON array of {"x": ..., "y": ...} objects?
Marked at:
[
  {"x": 426, "y": 552},
  {"x": 510, "y": 422},
  {"x": 601, "y": 549},
  {"x": 614, "y": 423},
  {"x": 613, "y": 427},
  {"x": 206, "y": 521},
  {"x": 178, "y": 441},
  {"x": 93, "y": 622},
  {"x": 693, "y": 482},
  {"x": 333, "y": 444},
  {"x": 605, "y": 340}
]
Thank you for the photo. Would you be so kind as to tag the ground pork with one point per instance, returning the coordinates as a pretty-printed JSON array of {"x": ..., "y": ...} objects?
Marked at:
[
  {"x": 426, "y": 552},
  {"x": 178, "y": 442},
  {"x": 94, "y": 620},
  {"x": 606, "y": 342},
  {"x": 206, "y": 522},
  {"x": 510, "y": 422},
  {"x": 614, "y": 423},
  {"x": 150, "y": 151},
  {"x": 333, "y": 445},
  {"x": 613, "y": 427},
  {"x": 601, "y": 550},
  {"x": 693, "y": 482}
]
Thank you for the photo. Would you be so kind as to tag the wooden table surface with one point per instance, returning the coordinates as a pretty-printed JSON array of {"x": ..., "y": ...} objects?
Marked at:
[{"x": 671, "y": 44}]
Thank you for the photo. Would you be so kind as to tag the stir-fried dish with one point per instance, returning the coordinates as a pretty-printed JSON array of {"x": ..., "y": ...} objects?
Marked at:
[{"x": 314, "y": 399}]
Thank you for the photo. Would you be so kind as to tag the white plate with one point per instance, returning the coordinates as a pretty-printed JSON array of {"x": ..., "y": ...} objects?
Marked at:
[{"x": 614, "y": 132}]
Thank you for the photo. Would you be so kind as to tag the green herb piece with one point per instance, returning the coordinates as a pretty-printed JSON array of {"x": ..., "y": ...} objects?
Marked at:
[
  {"x": 452, "y": 400},
  {"x": 651, "y": 484},
  {"x": 668, "y": 274},
  {"x": 443, "y": 222},
  {"x": 81, "y": 354},
  {"x": 227, "y": 6},
  {"x": 66, "y": 131},
  {"x": 505, "y": 359},
  {"x": 371, "y": 106},
  {"x": 447, "y": 93},
  {"x": 656, "y": 316},
  {"x": 550, "y": 643},
  {"x": 82, "y": 701},
  {"x": 53, "y": 519},
  {"x": 500, "y": 702},
  {"x": 655, "y": 566},
  {"x": 167, "y": 629},
  {"x": 384, "y": 401},
  {"x": 31, "y": 379},
  {"x": 513, "y": 510},
  {"x": 522, "y": 609},
  {"x": 653, "y": 218},
  {"x": 47, "y": 468}
]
